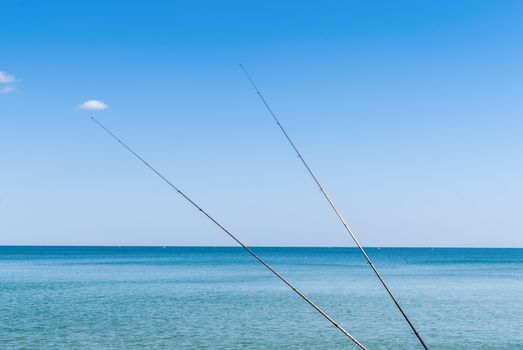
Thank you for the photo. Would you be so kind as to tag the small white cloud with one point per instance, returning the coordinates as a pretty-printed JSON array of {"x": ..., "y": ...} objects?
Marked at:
[
  {"x": 93, "y": 105},
  {"x": 6, "y": 78},
  {"x": 6, "y": 89}
]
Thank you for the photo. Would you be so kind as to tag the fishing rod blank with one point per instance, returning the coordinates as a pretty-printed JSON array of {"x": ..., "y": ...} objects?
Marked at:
[
  {"x": 331, "y": 203},
  {"x": 310, "y": 302}
]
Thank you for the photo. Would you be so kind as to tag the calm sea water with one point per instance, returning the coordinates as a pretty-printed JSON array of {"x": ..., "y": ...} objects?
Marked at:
[{"x": 220, "y": 298}]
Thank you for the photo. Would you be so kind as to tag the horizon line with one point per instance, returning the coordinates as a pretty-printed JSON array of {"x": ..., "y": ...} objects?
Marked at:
[{"x": 253, "y": 246}]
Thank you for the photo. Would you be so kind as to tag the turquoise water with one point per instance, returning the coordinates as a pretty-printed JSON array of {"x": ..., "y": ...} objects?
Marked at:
[{"x": 220, "y": 298}]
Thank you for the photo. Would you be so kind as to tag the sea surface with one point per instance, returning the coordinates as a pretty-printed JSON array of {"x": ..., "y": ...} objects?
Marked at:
[{"x": 221, "y": 298}]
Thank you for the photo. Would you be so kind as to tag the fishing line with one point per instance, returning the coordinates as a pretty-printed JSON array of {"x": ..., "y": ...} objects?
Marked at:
[{"x": 310, "y": 302}]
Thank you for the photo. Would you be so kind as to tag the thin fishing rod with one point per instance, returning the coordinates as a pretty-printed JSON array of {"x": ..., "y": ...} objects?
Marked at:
[
  {"x": 333, "y": 206},
  {"x": 310, "y": 302}
]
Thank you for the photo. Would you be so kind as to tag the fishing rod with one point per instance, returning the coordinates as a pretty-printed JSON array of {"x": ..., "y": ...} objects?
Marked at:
[
  {"x": 310, "y": 302},
  {"x": 333, "y": 206}
]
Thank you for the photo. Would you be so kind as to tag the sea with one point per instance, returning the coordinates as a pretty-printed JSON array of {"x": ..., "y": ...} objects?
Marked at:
[{"x": 222, "y": 298}]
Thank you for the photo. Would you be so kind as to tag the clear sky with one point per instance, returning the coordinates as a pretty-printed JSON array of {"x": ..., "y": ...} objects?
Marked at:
[{"x": 409, "y": 111}]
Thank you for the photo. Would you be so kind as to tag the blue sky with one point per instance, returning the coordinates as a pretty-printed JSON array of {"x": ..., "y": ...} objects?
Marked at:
[{"x": 410, "y": 113}]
